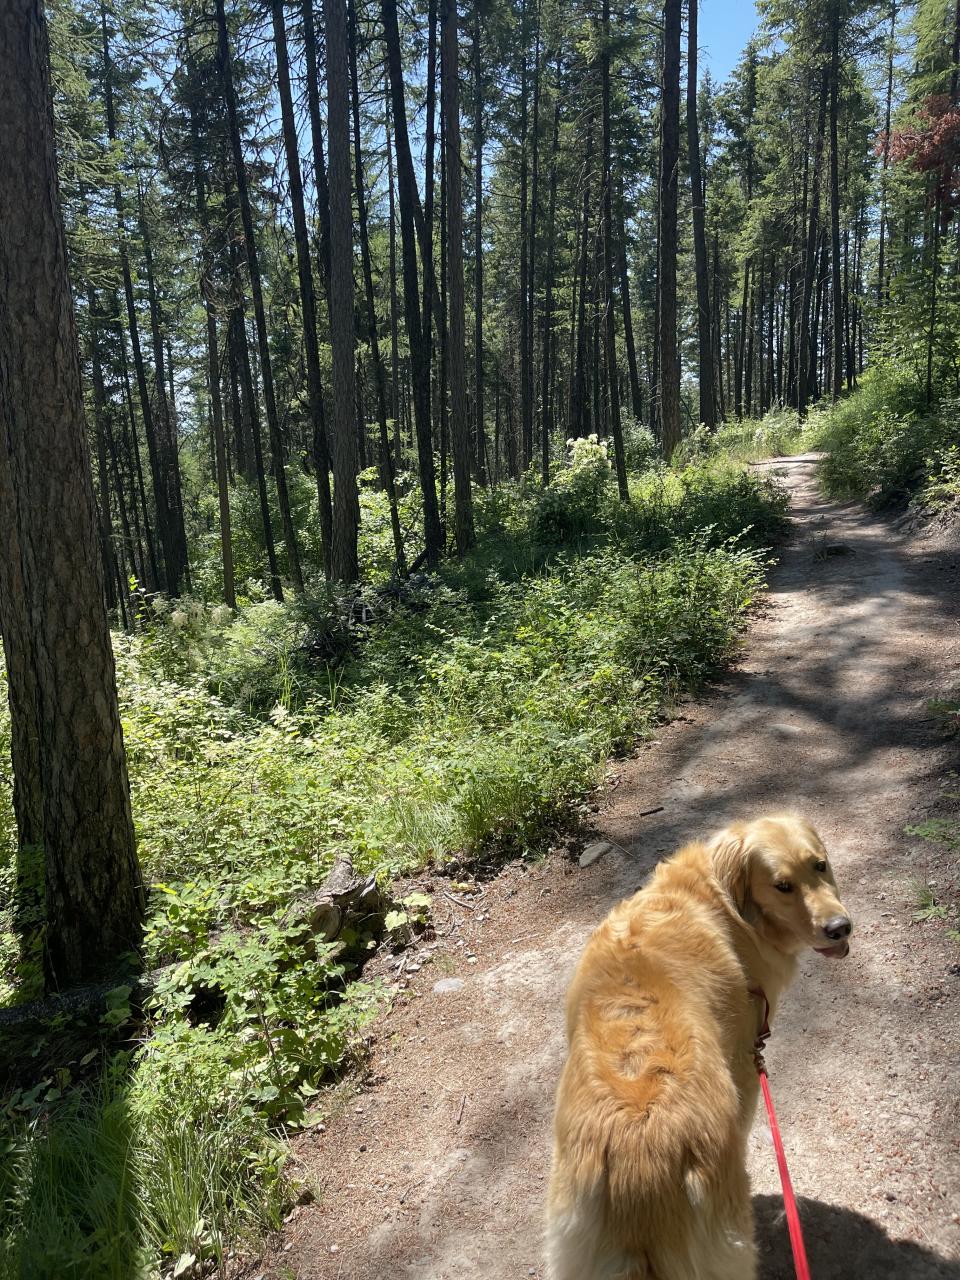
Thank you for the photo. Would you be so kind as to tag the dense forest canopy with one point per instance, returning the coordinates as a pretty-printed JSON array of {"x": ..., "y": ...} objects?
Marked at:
[{"x": 592, "y": 267}]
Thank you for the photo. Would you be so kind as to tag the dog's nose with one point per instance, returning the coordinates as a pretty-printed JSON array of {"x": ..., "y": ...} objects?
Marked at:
[{"x": 837, "y": 928}]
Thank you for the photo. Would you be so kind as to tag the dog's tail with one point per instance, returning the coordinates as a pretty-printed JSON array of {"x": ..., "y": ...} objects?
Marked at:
[{"x": 643, "y": 1140}]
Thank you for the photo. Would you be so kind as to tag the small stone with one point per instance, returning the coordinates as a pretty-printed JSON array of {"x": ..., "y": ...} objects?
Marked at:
[
  {"x": 363, "y": 1146},
  {"x": 594, "y": 852},
  {"x": 445, "y": 985},
  {"x": 786, "y": 730},
  {"x": 334, "y": 1248}
]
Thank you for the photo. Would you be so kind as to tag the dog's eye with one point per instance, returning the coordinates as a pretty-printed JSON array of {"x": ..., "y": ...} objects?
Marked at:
[
  {"x": 784, "y": 886},
  {"x": 820, "y": 866}
]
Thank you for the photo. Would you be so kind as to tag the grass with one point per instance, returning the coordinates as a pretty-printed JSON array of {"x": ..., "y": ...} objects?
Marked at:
[{"x": 467, "y": 716}]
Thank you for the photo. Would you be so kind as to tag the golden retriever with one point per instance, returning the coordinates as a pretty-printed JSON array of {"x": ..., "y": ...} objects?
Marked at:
[{"x": 657, "y": 1096}]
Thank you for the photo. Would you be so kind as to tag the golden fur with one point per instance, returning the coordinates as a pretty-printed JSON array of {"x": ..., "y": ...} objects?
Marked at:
[{"x": 657, "y": 1096}]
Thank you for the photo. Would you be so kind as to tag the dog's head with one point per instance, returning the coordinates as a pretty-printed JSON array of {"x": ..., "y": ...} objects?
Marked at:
[{"x": 777, "y": 873}]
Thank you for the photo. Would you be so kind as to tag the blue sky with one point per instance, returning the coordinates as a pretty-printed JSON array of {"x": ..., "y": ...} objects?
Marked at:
[{"x": 725, "y": 26}]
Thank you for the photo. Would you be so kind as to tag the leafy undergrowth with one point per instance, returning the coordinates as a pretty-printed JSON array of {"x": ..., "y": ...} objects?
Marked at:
[
  {"x": 467, "y": 710},
  {"x": 884, "y": 443},
  {"x": 778, "y": 433}
]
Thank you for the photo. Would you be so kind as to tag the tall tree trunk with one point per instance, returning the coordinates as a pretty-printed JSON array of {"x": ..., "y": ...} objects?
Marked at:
[
  {"x": 718, "y": 360},
  {"x": 479, "y": 429},
  {"x": 459, "y": 422},
  {"x": 547, "y": 374},
  {"x": 256, "y": 290},
  {"x": 175, "y": 541},
  {"x": 71, "y": 795},
  {"x": 153, "y": 581},
  {"x": 379, "y": 373},
  {"x": 667, "y": 245},
  {"x": 418, "y": 340},
  {"x": 835, "y": 266},
  {"x": 741, "y": 347},
  {"x": 316, "y": 137},
  {"x": 751, "y": 317},
  {"x": 250, "y": 409},
  {"x": 308, "y": 301},
  {"x": 805, "y": 370},
  {"x": 636, "y": 394},
  {"x": 698, "y": 201},
  {"x": 101, "y": 431},
  {"x": 579, "y": 402},
  {"x": 614, "y": 426},
  {"x": 213, "y": 367},
  {"x": 346, "y": 504},
  {"x": 526, "y": 406},
  {"x": 395, "y": 407},
  {"x": 433, "y": 315},
  {"x": 157, "y": 471},
  {"x": 882, "y": 290},
  {"x": 530, "y": 393},
  {"x": 934, "y": 283}
]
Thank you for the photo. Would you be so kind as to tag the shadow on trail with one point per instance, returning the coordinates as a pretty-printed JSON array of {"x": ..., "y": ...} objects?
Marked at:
[
  {"x": 834, "y": 698},
  {"x": 841, "y": 1245}
]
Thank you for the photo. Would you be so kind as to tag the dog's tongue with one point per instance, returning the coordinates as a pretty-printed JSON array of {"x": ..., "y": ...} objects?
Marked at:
[{"x": 835, "y": 953}]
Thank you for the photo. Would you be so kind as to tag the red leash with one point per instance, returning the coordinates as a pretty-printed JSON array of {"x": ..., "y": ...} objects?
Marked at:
[{"x": 801, "y": 1266}]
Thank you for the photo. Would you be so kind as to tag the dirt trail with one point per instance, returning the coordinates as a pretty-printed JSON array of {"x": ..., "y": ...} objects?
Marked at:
[{"x": 435, "y": 1169}]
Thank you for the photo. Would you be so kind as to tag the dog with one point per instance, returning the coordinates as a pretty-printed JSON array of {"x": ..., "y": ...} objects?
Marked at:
[{"x": 658, "y": 1092}]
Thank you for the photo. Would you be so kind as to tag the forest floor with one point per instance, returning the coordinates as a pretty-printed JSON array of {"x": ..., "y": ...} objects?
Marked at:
[{"x": 433, "y": 1165}]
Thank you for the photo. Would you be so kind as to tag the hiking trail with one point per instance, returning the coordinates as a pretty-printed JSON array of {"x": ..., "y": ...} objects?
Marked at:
[{"x": 434, "y": 1166}]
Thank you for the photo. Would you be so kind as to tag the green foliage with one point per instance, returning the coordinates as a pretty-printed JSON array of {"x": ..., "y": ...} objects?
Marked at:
[
  {"x": 469, "y": 712},
  {"x": 927, "y": 906},
  {"x": 573, "y": 503},
  {"x": 777, "y": 434},
  {"x": 129, "y": 1174},
  {"x": 884, "y": 443}
]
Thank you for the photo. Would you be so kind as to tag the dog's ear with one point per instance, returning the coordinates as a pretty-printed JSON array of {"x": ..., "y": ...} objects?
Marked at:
[{"x": 730, "y": 859}]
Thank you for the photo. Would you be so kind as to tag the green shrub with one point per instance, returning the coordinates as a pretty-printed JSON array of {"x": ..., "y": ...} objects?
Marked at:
[
  {"x": 777, "y": 434},
  {"x": 572, "y": 504},
  {"x": 883, "y": 442}
]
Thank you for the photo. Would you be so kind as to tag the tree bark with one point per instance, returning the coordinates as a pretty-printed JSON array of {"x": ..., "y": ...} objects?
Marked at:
[
  {"x": 614, "y": 426},
  {"x": 459, "y": 423},
  {"x": 213, "y": 368},
  {"x": 379, "y": 373},
  {"x": 316, "y": 138},
  {"x": 636, "y": 394},
  {"x": 346, "y": 504},
  {"x": 547, "y": 373},
  {"x": 805, "y": 367},
  {"x": 71, "y": 794},
  {"x": 256, "y": 290},
  {"x": 479, "y": 429},
  {"x": 698, "y": 200},
  {"x": 667, "y": 248},
  {"x": 158, "y": 470},
  {"x": 835, "y": 269},
  {"x": 308, "y": 299},
  {"x": 418, "y": 340},
  {"x": 882, "y": 291}
]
